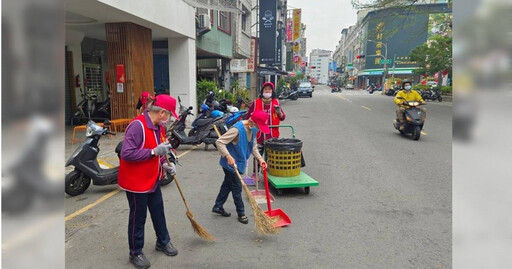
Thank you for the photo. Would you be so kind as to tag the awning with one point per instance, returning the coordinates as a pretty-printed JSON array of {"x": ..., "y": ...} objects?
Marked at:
[
  {"x": 270, "y": 71},
  {"x": 220, "y": 5}
]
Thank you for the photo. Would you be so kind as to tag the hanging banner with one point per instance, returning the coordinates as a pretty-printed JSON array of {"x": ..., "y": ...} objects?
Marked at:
[
  {"x": 296, "y": 36},
  {"x": 267, "y": 22},
  {"x": 120, "y": 77},
  {"x": 251, "y": 61},
  {"x": 289, "y": 26},
  {"x": 279, "y": 47}
]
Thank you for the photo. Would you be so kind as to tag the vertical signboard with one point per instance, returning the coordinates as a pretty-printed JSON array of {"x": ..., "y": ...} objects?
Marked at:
[
  {"x": 252, "y": 59},
  {"x": 289, "y": 26},
  {"x": 296, "y": 36},
  {"x": 279, "y": 46},
  {"x": 268, "y": 32}
]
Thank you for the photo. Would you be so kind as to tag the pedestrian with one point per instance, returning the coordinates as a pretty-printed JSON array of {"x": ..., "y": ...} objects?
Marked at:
[
  {"x": 268, "y": 103},
  {"x": 144, "y": 99},
  {"x": 235, "y": 147},
  {"x": 142, "y": 164}
]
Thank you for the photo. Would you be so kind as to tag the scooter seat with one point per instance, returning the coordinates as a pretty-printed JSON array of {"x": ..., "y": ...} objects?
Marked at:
[{"x": 203, "y": 122}]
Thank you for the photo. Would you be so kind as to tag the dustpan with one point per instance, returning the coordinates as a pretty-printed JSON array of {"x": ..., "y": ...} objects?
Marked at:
[
  {"x": 248, "y": 180},
  {"x": 259, "y": 195},
  {"x": 276, "y": 214}
]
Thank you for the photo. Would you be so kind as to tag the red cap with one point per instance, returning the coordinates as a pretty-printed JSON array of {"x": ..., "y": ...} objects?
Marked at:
[
  {"x": 268, "y": 83},
  {"x": 166, "y": 102},
  {"x": 261, "y": 119}
]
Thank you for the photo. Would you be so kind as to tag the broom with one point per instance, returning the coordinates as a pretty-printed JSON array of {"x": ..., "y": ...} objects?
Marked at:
[
  {"x": 262, "y": 222},
  {"x": 198, "y": 229}
]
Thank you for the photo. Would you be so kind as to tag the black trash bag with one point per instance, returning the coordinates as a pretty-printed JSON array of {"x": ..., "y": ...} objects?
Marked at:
[
  {"x": 284, "y": 144},
  {"x": 302, "y": 161}
]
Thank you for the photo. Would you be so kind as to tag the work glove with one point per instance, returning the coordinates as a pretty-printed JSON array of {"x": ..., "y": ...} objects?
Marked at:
[
  {"x": 169, "y": 168},
  {"x": 162, "y": 149}
]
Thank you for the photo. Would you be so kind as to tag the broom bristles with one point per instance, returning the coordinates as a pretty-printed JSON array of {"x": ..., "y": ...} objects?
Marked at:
[
  {"x": 198, "y": 229},
  {"x": 262, "y": 222}
]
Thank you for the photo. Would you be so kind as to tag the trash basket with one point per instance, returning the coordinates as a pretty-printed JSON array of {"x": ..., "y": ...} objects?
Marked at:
[{"x": 283, "y": 156}]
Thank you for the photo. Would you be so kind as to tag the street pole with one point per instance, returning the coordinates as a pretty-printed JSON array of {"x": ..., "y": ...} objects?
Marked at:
[
  {"x": 393, "y": 75},
  {"x": 384, "y": 73}
]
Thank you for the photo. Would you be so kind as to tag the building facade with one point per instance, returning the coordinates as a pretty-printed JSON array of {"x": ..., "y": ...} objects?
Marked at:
[{"x": 319, "y": 65}]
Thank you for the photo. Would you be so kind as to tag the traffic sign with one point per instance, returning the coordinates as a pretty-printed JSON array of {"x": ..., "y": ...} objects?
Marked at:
[{"x": 388, "y": 61}]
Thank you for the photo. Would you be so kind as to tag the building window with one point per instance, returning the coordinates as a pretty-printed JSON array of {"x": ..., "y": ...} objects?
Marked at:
[
  {"x": 224, "y": 22},
  {"x": 244, "y": 22}
]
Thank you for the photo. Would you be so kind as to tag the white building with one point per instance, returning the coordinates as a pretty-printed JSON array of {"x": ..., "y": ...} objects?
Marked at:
[{"x": 319, "y": 65}]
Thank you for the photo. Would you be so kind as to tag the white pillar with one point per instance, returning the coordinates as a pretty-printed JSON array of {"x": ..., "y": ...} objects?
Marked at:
[{"x": 182, "y": 70}]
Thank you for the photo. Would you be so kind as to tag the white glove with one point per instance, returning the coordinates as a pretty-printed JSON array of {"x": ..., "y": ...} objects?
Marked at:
[{"x": 171, "y": 169}]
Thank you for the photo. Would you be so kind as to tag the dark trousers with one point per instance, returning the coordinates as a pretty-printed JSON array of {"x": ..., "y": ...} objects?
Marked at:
[
  {"x": 139, "y": 205},
  {"x": 231, "y": 184}
]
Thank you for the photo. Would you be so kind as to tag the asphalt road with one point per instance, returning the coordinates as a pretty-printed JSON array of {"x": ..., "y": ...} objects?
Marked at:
[{"x": 384, "y": 200}]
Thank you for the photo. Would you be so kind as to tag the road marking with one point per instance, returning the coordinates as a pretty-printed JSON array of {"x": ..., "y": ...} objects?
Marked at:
[
  {"x": 110, "y": 194},
  {"x": 344, "y": 98},
  {"x": 367, "y": 108}
]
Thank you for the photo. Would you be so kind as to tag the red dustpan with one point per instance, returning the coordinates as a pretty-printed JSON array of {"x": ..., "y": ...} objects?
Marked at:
[
  {"x": 259, "y": 195},
  {"x": 282, "y": 218}
]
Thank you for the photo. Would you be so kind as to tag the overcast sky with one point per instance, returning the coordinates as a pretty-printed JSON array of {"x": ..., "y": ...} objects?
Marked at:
[{"x": 324, "y": 21}]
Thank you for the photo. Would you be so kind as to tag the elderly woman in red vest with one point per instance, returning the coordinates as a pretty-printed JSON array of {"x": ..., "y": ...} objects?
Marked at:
[
  {"x": 269, "y": 104},
  {"x": 140, "y": 169}
]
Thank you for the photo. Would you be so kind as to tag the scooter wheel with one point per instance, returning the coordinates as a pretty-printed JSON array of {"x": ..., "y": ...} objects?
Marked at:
[
  {"x": 167, "y": 179},
  {"x": 76, "y": 183}
]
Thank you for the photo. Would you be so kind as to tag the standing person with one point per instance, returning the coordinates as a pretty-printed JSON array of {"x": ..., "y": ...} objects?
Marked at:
[
  {"x": 141, "y": 167},
  {"x": 235, "y": 147},
  {"x": 269, "y": 104},
  {"x": 144, "y": 99}
]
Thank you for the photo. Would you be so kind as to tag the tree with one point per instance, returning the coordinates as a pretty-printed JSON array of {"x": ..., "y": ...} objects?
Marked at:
[{"x": 434, "y": 56}]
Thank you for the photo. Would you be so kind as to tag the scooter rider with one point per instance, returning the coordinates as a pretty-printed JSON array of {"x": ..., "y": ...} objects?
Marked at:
[
  {"x": 408, "y": 94},
  {"x": 141, "y": 167}
]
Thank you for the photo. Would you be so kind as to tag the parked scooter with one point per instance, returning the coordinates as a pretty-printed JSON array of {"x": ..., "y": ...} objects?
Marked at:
[
  {"x": 431, "y": 95},
  {"x": 413, "y": 120},
  {"x": 288, "y": 93},
  {"x": 87, "y": 167},
  {"x": 89, "y": 108},
  {"x": 393, "y": 91},
  {"x": 203, "y": 133}
]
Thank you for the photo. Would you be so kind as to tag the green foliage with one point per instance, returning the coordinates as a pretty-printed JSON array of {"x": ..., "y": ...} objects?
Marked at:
[
  {"x": 238, "y": 91},
  {"x": 446, "y": 90},
  {"x": 281, "y": 84},
  {"x": 419, "y": 87},
  {"x": 203, "y": 88},
  {"x": 434, "y": 56}
]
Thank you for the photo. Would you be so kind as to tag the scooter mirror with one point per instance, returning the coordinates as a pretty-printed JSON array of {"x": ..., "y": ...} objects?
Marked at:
[{"x": 190, "y": 107}]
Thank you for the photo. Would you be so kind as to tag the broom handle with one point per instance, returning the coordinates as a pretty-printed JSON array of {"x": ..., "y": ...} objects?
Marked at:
[
  {"x": 265, "y": 177},
  {"x": 178, "y": 185}
]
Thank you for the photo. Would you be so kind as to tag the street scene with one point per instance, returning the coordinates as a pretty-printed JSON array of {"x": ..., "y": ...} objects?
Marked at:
[
  {"x": 240, "y": 134},
  {"x": 383, "y": 200}
]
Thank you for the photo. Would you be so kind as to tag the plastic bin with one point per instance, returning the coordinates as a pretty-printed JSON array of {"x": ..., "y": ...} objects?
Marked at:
[{"x": 283, "y": 156}]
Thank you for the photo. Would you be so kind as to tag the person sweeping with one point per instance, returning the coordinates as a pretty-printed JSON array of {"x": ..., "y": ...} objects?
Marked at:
[{"x": 235, "y": 147}]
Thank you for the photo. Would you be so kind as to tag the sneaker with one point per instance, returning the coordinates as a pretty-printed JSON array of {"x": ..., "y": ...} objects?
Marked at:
[
  {"x": 243, "y": 219},
  {"x": 221, "y": 211},
  {"x": 402, "y": 127},
  {"x": 168, "y": 249},
  {"x": 140, "y": 261}
]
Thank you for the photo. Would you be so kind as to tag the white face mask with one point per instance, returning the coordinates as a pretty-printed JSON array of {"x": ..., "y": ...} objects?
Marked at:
[
  {"x": 407, "y": 88},
  {"x": 267, "y": 94}
]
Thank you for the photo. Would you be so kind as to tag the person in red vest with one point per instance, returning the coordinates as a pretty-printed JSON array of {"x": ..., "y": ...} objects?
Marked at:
[
  {"x": 144, "y": 100},
  {"x": 142, "y": 164},
  {"x": 269, "y": 104}
]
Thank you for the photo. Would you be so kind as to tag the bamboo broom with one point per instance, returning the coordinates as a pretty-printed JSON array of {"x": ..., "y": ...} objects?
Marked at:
[
  {"x": 198, "y": 229},
  {"x": 262, "y": 222}
]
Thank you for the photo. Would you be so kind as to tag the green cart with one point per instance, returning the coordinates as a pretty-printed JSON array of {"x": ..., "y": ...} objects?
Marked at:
[{"x": 302, "y": 180}]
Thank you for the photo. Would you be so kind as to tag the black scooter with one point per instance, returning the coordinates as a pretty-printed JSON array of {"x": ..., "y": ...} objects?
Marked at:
[
  {"x": 413, "y": 120},
  {"x": 87, "y": 167},
  {"x": 291, "y": 94},
  {"x": 432, "y": 95},
  {"x": 89, "y": 108},
  {"x": 203, "y": 133}
]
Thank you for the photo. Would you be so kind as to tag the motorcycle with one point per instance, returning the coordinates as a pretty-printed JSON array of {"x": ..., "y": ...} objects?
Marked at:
[
  {"x": 413, "y": 120},
  {"x": 371, "y": 89},
  {"x": 89, "y": 108},
  {"x": 287, "y": 93},
  {"x": 392, "y": 92},
  {"x": 87, "y": 167},
  {"x": 203, "y": 132},
  {"x": 432, "y": 95},
  {"x": 335, "y": 88}
]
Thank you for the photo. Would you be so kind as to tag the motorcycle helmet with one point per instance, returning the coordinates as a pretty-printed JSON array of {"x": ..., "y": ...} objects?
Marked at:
[
  {"x": 215, "y": 105},
  {"x": 217, "y": 113},
  {"x": 233, "y": 109},
  {"x": 406, "y": 82},
  {"x": 204, "y": 108}
]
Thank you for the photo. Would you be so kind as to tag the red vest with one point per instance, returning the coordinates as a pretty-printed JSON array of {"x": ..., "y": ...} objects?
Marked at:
[
  {"x": 274, "y": 118},
  {"x": 141, "y": 176}
]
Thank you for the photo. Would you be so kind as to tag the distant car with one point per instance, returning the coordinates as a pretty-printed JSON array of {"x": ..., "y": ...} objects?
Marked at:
[
  {"x": 305, "y": 89},
  {"x": 349, "y": 86}
]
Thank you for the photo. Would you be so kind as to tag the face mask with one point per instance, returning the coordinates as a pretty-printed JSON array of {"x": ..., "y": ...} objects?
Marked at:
[
  {"x": 164, "y": 123},
  {"x": 407, "y": 88},
  {"x": 267, "y": 94}
]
